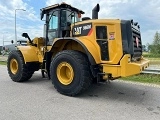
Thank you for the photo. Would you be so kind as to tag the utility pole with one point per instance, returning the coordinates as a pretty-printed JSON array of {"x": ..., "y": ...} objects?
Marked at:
[{"x": 16, "y": 26}]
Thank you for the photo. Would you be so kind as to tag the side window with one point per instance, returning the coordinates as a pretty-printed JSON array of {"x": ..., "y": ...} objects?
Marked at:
[
  {"x": 53, "y": 23},
  {"x": 74, "y": 19},
  {"x": 68, "y": 17},
  {"x": 101, "y": 32}
]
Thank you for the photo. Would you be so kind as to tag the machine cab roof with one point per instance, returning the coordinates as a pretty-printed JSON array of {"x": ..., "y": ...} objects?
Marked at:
[
  {"x": 59, "y": 18},
  {"x": 63, "y": 5}
]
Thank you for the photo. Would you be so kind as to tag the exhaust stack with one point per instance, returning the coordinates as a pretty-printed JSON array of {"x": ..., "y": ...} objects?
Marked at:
[{"x": 95, "y": 12}]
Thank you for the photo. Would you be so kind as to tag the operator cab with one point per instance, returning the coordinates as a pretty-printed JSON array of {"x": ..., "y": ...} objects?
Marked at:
[{"x": 59, "y": 17}]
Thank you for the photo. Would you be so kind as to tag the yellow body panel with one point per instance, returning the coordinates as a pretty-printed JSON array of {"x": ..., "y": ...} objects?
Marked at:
[
  {"x": 29, "y": 53},
  {"x": 125, "y": 68},
  {"x": 92, "y": 47},
  {"x": 115, "y": 46},
  {"x": 32, "y": 53}
]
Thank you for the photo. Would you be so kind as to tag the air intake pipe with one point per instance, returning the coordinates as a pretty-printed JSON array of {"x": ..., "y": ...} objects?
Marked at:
[{"x": 95, "y": 12}]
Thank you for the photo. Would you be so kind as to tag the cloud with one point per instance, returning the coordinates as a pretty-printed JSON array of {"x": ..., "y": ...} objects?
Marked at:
[
  {"x": 8, "y": 8},
  {"x": 24, "y": 19}
]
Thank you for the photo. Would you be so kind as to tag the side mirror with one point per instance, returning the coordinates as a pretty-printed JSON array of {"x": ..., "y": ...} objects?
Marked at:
[{"x": 25, "y": 35}]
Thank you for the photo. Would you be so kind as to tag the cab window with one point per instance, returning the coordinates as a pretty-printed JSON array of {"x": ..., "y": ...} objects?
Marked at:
[
  {"x": 53, "y": 23},
  {"x": 53, "y": 26}
]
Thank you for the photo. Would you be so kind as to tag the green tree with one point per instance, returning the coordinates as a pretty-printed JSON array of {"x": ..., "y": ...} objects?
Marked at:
[{"x": 155, "y": 48}]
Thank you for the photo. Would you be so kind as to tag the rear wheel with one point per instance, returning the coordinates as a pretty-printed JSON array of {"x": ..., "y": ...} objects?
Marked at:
[
  {"x": 70, "y": 72},
  {"x": 17, "y": 69}
]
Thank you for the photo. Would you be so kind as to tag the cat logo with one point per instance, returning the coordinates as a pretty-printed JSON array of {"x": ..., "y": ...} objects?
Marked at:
[
  {"x": 77, "y": 30},
  {"x": 82, "y": 29}
]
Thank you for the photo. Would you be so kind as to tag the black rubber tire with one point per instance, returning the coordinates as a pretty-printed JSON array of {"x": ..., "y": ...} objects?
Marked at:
[
  {"x": 81, "y": 67},
  {"x": 23, "y": 74}
]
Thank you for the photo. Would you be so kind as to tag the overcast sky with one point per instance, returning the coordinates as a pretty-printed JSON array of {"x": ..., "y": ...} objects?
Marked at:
[{"x": 145, "y": 12}]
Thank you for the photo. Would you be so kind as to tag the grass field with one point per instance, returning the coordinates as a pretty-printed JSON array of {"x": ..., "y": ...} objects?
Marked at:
[
  {"x": 151, "y": 55},
  {"x": 144, "y": 78},
  {"x": 3, "y": 63},
  {"x": 154, "y": 59}
]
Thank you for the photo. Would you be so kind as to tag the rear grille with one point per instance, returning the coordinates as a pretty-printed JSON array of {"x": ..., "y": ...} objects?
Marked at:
[
  {"x": 131, "y": 39},
  {"x": 137, "y": 44}
]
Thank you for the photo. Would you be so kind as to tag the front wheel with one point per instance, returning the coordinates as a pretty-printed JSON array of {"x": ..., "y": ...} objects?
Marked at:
[
  {"x": 70, "y": 72},
  {"x": 17, "y": 69}
]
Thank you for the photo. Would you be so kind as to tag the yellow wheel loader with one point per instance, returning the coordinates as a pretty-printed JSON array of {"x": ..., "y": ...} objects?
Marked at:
[{"x": 76, "y": 51}]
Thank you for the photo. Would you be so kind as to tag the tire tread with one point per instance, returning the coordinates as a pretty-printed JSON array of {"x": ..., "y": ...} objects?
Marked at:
[
  {"x": 25, "y": 74},
  {"x": 85, "y": 71}
]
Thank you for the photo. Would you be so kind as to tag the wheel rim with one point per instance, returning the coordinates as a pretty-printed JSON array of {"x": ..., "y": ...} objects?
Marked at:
[
  {"x": 14, "y": 66},
  {"x": 65, "y": 73}
]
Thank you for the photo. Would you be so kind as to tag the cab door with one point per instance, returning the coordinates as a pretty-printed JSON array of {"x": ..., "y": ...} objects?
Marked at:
[{"x": 53, "y": 28}]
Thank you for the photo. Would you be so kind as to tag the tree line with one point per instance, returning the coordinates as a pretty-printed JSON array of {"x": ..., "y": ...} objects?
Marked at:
[{"x": 154, "y": 48}]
